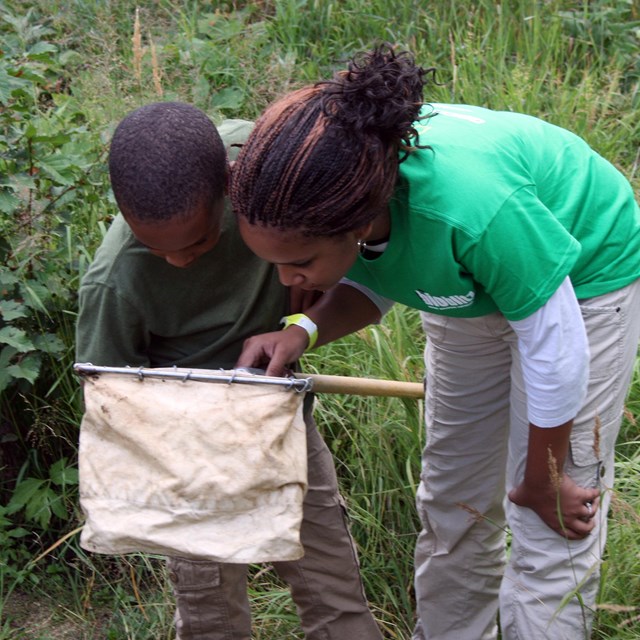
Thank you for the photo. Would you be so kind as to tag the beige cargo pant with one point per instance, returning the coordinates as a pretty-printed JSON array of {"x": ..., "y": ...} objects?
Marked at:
[
  {"x": 211, "y": 598},
  {"x": 475, "y": 452}
]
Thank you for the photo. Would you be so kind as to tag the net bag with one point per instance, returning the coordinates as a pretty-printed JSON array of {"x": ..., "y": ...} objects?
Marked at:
[{"x": 201, "y": 470}]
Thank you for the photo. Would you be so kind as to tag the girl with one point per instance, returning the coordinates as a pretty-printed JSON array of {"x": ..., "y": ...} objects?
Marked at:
[{"x": 520, "y": 245}]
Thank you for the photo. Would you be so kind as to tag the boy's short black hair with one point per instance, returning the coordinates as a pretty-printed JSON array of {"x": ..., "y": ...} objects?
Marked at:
[{"x": 166, "y": 159}]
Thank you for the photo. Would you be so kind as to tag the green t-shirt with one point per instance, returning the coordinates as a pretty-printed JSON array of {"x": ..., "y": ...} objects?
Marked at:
[
  {"x": 137, "y": 310},
  {"x": 497, "y": 212}
]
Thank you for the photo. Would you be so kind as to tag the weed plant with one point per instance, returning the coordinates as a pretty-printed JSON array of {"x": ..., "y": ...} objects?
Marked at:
[{"x": 69, "y": 71}]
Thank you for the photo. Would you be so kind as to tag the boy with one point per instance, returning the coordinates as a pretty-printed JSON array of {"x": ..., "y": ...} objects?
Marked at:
[{"x": 173, "y": 284}]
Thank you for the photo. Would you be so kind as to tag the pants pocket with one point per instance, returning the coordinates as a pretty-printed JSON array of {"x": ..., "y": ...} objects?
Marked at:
[
  {"x": 596, "y": 427},
  {"x": 193, "y": 575}
]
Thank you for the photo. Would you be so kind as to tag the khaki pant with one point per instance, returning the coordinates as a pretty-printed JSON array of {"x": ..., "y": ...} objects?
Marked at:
[
  {"x": 211, "y": 598},
  {"x": 475, "y": 452}
]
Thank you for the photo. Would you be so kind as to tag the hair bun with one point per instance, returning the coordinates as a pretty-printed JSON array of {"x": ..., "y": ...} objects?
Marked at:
[{"x": 379, "y": 94}]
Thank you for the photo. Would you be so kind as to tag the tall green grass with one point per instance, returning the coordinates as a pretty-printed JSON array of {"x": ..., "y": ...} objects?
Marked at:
[{"x": 574, "y": 62}]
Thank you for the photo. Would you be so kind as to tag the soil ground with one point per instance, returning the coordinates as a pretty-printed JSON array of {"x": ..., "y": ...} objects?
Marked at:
[{"x": 36, "y": 619}]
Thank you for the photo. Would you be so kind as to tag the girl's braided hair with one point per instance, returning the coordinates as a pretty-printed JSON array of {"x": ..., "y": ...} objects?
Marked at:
[{"x": 324, "y": 159}]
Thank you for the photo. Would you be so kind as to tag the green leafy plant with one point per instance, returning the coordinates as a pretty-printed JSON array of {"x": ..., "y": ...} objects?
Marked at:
[
  {"x": 52, "y": 191},
  {"x": 43, "y": 498},
  {"x": 51, "y": 184}
]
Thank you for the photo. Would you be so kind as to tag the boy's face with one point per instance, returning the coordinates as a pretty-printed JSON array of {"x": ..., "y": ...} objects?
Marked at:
[{"x": 181, "y": 241}]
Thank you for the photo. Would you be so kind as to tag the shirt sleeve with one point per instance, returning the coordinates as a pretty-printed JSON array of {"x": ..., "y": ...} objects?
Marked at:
[
  {"x": 555, "y": 358},
  {"x": 383, "y": 304},
  {"x": 110, "y": 330},
  {"x": 522, "y": 255}
]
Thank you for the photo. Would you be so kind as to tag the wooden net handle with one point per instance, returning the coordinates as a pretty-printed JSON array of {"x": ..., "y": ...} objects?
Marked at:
[{"x": 364, "y": 386}]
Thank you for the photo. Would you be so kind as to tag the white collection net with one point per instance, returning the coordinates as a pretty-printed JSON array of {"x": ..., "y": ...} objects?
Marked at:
[{"x": 193, "y": 469}]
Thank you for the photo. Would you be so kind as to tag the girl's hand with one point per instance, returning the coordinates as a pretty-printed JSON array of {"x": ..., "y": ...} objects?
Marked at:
[
  {"x": 569, "y": 509},
  {"x": 274, "y": 351}
]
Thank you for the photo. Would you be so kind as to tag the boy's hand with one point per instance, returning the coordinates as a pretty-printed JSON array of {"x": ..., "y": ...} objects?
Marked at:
[
  {"x": 569, "y": 500},
  {"x": 274, "y": 351}
]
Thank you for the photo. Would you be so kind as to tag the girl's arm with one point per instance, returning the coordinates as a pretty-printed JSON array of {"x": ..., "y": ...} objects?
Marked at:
[
  {"x": 340, "y": 311},
  {"x": 555, "y": 363},
  {"x": 546, "y": 489}
]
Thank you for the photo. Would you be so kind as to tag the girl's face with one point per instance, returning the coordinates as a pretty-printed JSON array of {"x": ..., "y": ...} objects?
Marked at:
[{"x": 313, "y": 264}]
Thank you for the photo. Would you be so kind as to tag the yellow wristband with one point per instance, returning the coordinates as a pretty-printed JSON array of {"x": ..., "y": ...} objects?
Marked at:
[{"x": 300, "y": 320}]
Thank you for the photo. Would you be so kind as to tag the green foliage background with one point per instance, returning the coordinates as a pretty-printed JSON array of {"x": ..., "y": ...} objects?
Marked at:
[{"x": 69, "y": 70}]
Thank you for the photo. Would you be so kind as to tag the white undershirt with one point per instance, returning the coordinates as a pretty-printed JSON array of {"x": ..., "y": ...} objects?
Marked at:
[
  {"x": 555, "y": 355},
  {"x": 555, "y": 358}
]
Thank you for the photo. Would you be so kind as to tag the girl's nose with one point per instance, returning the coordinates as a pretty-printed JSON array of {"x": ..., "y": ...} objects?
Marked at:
[{"x": 290, "y": 276}]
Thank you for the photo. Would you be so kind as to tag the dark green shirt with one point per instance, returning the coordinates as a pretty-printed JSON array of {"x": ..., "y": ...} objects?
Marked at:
[{"x": 137, "y": 310}]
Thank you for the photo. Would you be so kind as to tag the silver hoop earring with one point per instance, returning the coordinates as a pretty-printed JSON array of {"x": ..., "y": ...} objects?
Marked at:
[{"x": 362, "y": 246}]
